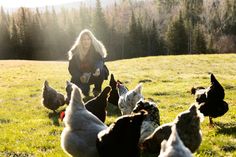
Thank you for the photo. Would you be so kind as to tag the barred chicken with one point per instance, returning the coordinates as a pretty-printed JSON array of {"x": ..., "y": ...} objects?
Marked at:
[
  {"x": 188, "y": 127},
  {"x": 128, "y": 98}
]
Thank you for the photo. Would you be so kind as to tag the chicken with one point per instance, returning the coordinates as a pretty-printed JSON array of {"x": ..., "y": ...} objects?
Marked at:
[
  {"x": 188, "y": 127},
  {"x": 121, "y": 138},
  {"x": 152, "y": 120},
  {"x": 211, "y": 100},
  {"x": 174, "y": 147},
  {"x": 98, "y": 104},
  {"x": 78, "y": 138},
  {"x": 68, "y": 92},
  {"x": 114, "y": 96},
  {"x": 128, "y": 99},
  {"x": 51, "y": 99}
]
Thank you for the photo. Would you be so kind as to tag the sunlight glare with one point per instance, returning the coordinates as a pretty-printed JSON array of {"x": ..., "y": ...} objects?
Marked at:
[{"x": 32, "y": 3}]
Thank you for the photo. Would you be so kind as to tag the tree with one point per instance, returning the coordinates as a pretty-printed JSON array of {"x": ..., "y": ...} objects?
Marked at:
[
  {"x": 14, "y": 40},
  {"x": 4, "y": 35},
  {"x": 192, "y": 15},
  {"x": 153, "y": 40},
  {"x": 199, "y": 43},
  {"x": 136, "y": 38},
  {"x": 177, "y": 38},
  {"x": 99, "y": 23},
  {"x": 230, "y": 16}
]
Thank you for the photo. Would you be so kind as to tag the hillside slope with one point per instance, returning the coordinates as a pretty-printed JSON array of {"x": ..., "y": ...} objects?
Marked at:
[{"x": 27, "y": 130}]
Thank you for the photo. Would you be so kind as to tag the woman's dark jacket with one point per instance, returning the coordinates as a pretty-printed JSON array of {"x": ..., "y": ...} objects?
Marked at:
[{"x": 91, "y": 62}]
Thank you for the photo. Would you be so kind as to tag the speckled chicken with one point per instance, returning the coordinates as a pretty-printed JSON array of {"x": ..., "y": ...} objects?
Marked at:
[
  {"x": 121, "y": 138},
  {"x": 211, "y": 100},
  {"x": 152, "y": 120},
  {"x": 51, "y": 99},
  {"x": 174, "y": 147},
  {"x": 188, "y": 127},
  {"x": 128, "y": 99}
]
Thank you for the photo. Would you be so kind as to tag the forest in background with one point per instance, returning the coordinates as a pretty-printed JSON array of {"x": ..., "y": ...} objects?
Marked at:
[{"x": 128, "y": 28}]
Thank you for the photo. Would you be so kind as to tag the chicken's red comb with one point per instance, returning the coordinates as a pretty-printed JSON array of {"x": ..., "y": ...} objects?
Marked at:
[
  {"x": 118, "y": 84},
  {"x": 62, "y": 115}
]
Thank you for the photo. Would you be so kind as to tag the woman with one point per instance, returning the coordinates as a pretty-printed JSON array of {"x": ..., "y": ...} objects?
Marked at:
[{"x": 86, "y": 63}]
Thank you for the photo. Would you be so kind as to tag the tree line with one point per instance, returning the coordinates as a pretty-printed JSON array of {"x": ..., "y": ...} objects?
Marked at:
[{"x": 128, "y": 28}]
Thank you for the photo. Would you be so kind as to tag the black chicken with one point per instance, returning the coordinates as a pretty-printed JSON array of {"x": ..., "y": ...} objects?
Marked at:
[
  {"x": 211, "y": 100},
  {"x": 98, "y": 104},
  {"x": 114, "y": 96},
  {"x": 121, "y": 138}
]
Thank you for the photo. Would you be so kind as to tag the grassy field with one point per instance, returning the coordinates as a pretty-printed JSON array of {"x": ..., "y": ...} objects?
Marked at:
[{"x": 27, "y": 130}]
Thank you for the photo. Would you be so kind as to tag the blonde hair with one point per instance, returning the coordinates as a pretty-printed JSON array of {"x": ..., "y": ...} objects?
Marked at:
[{"x": 77, "y": 47}]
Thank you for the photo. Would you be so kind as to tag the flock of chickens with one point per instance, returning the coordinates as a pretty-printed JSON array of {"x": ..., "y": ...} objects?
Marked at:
[{"x": 138, "y": 129}]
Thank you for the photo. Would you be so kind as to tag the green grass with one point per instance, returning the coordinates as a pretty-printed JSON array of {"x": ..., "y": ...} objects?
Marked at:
[{"x": 27, "y": 130}]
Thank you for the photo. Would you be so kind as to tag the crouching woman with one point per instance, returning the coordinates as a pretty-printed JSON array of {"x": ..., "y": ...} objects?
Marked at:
[{"x": 86, "y": 63}]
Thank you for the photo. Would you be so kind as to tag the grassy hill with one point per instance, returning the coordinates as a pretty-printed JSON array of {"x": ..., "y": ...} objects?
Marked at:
[{"x": 27, "y": 130}]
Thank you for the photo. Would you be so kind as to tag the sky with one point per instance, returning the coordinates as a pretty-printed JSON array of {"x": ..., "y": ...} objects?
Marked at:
[{"x": 32, "y": 3}]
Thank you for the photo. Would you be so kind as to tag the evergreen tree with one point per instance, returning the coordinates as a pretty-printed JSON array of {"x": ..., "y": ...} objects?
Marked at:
[
  {"x": 133, "y": 38},
  {"x": 138, "y": 38},
  {"x": 22, "y": 25},
  {"x": 199, "y": 43},
  {"x": 36, "y": 36},
  {"x": 85, "y": 16},
  {"x": 99, "y": 23},
  {"x": 14, "y": 40},
  {"x": 177, "y": 37},
  {"x": 4, "y": 35},
  {"x": 192, "y": 13},
  {"x": 193, "y": 10},
  {"x": 153, "y": 41},
  {"x": 230, "y": 16}
]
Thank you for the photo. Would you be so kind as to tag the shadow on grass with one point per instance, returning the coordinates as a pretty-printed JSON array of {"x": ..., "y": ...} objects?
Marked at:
[
  {"x": 144, "y": 81},
  {"x": 15, "y": 154},
  {"x": 228, "y": 148},
  {"x": 226, "y": 128},
  {"x": 4, "y": 121},
  {"x": 229, "y": 87},
  {"x": 161, "y": 93}
]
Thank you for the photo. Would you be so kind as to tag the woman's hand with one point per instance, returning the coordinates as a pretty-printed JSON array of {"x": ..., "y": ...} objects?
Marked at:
[{"x": 97, "y": 72}]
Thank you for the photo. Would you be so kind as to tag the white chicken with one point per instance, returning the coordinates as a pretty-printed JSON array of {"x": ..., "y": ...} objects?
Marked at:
[
  {"x": 174, "y": 147},
  {"x": 81, "y": 128}
]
